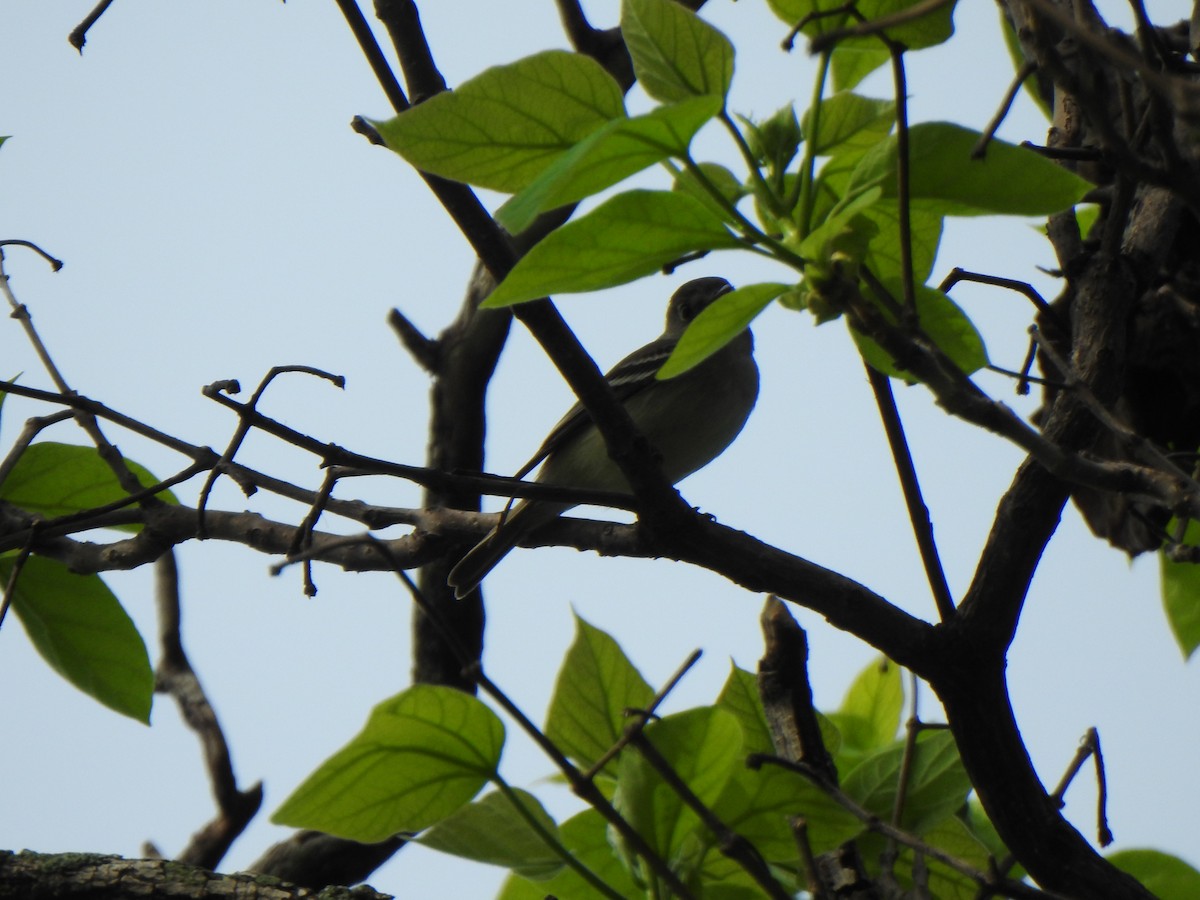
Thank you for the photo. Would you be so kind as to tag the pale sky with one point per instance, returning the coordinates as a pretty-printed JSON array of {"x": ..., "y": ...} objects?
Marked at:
[{"x": 217, "y": 216}]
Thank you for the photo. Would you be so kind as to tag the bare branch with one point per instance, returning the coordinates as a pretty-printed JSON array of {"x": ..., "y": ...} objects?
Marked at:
[
  {"x": 83, "y": 876},
  {"x": 918, "y": 512},
  {"x": 175, "y": 677},
  {"x": 78, "y": 36}
]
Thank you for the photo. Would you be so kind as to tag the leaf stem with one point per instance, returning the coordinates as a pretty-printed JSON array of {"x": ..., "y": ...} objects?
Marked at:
[
  {"x": 804, "y": 182},
  {"x": 768, "y": 193},
  {"x": 753, "y": 233}
]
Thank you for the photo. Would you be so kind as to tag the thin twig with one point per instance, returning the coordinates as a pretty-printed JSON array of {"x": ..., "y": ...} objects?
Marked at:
[
  {"x": 731, "y": 844},
  {"x": 918, "y": 512},
  {"x": 108, "y": 452},
  {"x": 175, "y": 677},
  {"x": 1024, "y": 288},
  {"x": 33, "y": 427},
  {"x": 583, "y": 787},
  {"x": 799, "y": 826},
  {"x": 355, "y": 510},
  {"x": 979, "y": 151},
  {"x": 21, "y": 313},
  {"x": 903, "y": 176},
  {"x": 78, "y": 36},
  {"x": 549, "y": 837},
  {"x": 247, "y": 419},
  {"x": 874, "y": 823},
  {"x": 1022, "y": 377},
  {"x": 913, "y": 727},
  {"x": 496, "y": 485},
  {"x": 55, "y": 262},
  {"x": 963, "y": 399},
  {"x": 18, "y": 565},
  {"x": 81, "y": 403},
  {"x": 849, "y": 8},
  {"x": 374, "y": 55},
  {"x": 1088, "y": 747},
  {"x": 911, "y": 13},
  {"x": 307, "y": 526},
  {"x": 425, "y": 351},
  {"x": 642, "y": 717},
  {"x": 86, "y": 519}
]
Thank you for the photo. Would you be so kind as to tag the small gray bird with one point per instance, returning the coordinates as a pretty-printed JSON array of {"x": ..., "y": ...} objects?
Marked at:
[{"x": 689, "y": 419}]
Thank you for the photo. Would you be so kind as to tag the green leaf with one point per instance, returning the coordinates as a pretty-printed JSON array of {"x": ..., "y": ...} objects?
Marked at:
[
  {"x": 1167, "y": 877},
  {"x": 725, "y": 182},
  {"x": 845, "y": 231},
  {"x": 1010, "y": 180},
  {"x": 978, "y": 823},
  {"x": 952, "y": 837},
  {"x": 792, "y": 11},
  {"x": 939, "y": 783},
  {"x": 502, "y": 128},
  {"x": 631, "y": 235},
  {"x": 855, "y": 58},
  {"x": 492, "y": 830},
  {"x": 718, "y": 324},
  {"x": 1086, "y": 215},
  {"x": 929, "y": 30},
  {"x": 774, "y": 142},
  {"x": 52, "y": 479},
  {"x": 422, "y": 755},
  {"x": 704, "y": 747},
  {"x": 943, "y": 322},
  {"x": 609, "y": 155},
  {"x": 675, "y": 53},
  {"x": 937, "y": 788},
  {"x": 848, "y": 121},
  {"x": 835, "y": 182},
  {"x": 734, "y": 883},
  {"x": 883, "y": 254},
  {"x": 595, "y": 686},
  {"x": 870, "y": 713},
  {"x": 759, "y": 804},
  {"x": 586, "y": 836},
  {"x": 1181, "y": 595},
  {"x": 739, "y": 697},
  {"x": 933, "y": 28},
  {"x": 79, "y": 627}
]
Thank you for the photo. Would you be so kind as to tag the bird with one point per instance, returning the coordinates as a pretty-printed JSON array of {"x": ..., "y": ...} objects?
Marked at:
[{"x": 689, "y": 420}]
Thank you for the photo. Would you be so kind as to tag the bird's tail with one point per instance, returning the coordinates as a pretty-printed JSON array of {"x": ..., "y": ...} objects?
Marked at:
[{"x": 481, "y": 559}]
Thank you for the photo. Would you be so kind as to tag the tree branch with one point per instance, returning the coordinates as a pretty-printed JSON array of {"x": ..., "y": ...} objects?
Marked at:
[
  {"x": 175, "y": 676},
  {"x": 67, "y": 876}
]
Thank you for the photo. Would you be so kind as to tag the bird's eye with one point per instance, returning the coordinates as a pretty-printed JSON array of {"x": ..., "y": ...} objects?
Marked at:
[{"x": 687, "y": 311}]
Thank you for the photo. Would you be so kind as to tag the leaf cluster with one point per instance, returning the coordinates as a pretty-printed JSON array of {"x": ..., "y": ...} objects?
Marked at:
[
  {"x": 426, "y": 752},
  {"x": 817, "y": 192}
]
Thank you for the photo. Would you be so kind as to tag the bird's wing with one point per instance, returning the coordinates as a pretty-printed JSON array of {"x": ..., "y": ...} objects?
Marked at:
[{"x": 630, "y": 376}]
